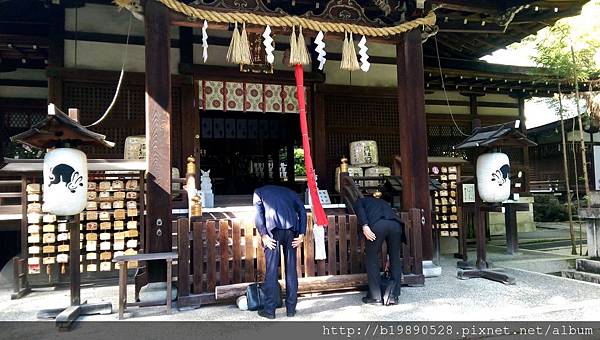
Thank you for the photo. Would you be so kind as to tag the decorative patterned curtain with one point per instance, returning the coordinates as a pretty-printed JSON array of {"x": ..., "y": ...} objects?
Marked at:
[{"x": 247, "y": 97}]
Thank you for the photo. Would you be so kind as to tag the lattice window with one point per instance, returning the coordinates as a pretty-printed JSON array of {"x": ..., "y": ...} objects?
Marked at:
[
  {"x": 18, "y": 120},
  {"x": 126, "y": 118},
  {"x": 349, "y": 119}
]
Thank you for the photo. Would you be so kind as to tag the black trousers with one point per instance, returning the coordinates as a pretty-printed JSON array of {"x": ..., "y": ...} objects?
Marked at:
[
  {"x": 284, "y": 238},
  {"x": 391, "y": 232}
]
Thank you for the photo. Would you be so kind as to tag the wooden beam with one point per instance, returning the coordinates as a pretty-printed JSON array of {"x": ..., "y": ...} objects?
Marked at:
[
  {"x": 213, "y": 72},
  {"x": 413, "y": 132},
  {"x": 158, "y": 136}
]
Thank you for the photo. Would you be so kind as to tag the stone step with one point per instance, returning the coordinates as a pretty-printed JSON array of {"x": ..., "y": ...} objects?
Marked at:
[
  {"x": 581, "y": 276},
  {"x": 588, "y": 266}
]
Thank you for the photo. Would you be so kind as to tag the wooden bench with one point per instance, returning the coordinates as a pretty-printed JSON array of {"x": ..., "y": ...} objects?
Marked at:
[{"x": 124, "y": 259}]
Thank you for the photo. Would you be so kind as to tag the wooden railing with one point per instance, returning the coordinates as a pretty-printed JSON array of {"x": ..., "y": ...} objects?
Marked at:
[{"x": 215, "y": 253}]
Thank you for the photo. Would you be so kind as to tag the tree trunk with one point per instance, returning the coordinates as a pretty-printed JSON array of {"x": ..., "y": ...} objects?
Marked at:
[
  {"x": 566, "y": 171},
  {"x": 581, "y": 140}
]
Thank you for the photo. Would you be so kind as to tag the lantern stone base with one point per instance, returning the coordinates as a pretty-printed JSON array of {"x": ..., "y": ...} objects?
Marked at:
[
  {"x": 525, "y": 221},
  {"x": 156, "y": 292}
]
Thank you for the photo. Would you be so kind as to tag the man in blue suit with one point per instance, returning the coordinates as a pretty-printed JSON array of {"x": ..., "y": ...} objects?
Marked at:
[
  {"x": 281, "y": 221},
  {"x": 379, "y": 222}
]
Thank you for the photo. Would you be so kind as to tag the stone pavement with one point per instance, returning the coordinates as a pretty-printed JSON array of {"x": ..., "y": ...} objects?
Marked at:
[{"x": 534, "y": 297}]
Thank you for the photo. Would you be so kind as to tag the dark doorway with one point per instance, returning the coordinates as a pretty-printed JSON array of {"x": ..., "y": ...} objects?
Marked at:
[{"x": 245, "y": 150}]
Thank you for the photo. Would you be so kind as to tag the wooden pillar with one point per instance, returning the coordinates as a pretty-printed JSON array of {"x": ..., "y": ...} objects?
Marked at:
[
  {"x": 190, "y": 119},
  {"x": 413, "y": 132},
  {"x": 158, "y": 135},
  {"x": 56, "y": 53},
  {"x": 526, "y": 164}
]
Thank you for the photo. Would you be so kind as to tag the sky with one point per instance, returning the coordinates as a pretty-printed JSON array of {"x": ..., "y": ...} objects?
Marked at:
[{"x": 537, "y": 112}]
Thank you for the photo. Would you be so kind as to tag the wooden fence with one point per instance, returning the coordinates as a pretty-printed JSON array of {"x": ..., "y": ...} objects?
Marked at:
[{"x": 222, "y": 252}]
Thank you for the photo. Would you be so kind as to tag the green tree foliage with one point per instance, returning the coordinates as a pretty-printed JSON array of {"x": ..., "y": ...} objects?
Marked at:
[{"x": 299, "y": 167}]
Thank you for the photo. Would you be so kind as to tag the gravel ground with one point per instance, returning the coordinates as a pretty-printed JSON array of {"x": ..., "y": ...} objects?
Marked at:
[{"x": 534, "y": 297}]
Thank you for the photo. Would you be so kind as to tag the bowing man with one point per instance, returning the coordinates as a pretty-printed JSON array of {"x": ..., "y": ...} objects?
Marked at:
[
  {"x": 281, "y": 221},
  {"x": 379, "y": 222}
]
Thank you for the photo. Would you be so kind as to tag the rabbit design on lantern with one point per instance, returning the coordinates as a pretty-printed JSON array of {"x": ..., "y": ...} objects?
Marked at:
[
  {"x": 501, "y": 175},
  {"x": 66, "y": 173}
]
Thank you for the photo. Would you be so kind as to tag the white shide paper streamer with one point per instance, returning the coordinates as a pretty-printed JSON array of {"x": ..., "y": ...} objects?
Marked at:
[
  {"x": 268, "y": 42},
  {"x": 320, "y": 49},
  {"x": 204, "y": 41},
  {"x": 362, "y": 52}
]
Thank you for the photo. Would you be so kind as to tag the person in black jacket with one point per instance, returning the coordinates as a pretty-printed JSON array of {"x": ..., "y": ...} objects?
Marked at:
[
  {"x": 379, "y": 222},
  {"x": 281, "y": 222}
]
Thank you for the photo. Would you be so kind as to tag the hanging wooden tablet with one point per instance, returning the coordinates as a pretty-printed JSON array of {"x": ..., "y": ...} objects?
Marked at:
[
  {"x": 34, "y": 208},
  {"x": 105, "y": 205},
  {"x": 33, "y": 197},
  {"x": 118, "y": 225},
  {"x": 49, "y": 228},
  {"x": 33, "y": 188},
  {"x": 119, "y": 214},
  {"x": 90, "y": 246},
  {"x": 49, "y": 218},
  {"x": 49, "y": 249},
  {"x": 117, "y": 185},
  {"x": 33, "y": 264},
  {"x": 49, "y": 238},
  {"x": 105, "y": 256},
  {"x": 104, "y": 195},
  {"x": 63, "y": 248},
  {"x": 104, "y": 216},
  {"x": 91, "y": 205},
  {"x": 49, "y": 260},
  {"x": 33, "y": 250},
  {"x": 92, "y": 195},
  {"x": 131, "y": 205},
  {"x": 132, "y": 225},
  {"x": 105, "y": 225},
  {"x": 91, "y": 215},
  {"x": 91, "y": 237},
  {"x": 104, "y": 245},
  {"x": 105, "y": 266},
  {"x": 132, "y": 243},
  {"x": 91, "y": 186},
  {"x": 91, "y": 226},
  {"x": 104, "y": 185},
  {"x": 132, "y": 184},
  {"x": 118, "y": 204},
  {"x": 33, "y": 229},
  {"x": 119, "y": 245},
  {"x": 131, "y": 195},
  {"x": 131, "y": 233}
]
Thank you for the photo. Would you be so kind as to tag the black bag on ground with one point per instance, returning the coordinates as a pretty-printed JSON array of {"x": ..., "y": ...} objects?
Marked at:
[
  {"x": 388, "y": 284},
  {"x": 255, "y": 296}
]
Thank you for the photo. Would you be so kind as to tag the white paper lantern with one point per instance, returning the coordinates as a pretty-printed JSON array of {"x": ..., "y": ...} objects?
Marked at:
[
  {"x": 493, "y": 177},
  {"x": 65, "y": 182}
]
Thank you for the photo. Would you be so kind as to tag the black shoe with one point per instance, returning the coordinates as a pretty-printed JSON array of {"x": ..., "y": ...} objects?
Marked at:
[
  {"x": 291, "y": 314},
  {"x": 369, "y": 300},
  {"x": 264, "y": 314}
]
